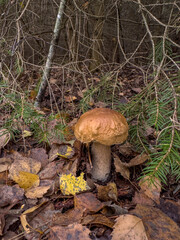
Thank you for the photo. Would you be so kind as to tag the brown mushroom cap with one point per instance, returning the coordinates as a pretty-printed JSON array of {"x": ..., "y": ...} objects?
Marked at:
[{"x": 102, "y": 125}]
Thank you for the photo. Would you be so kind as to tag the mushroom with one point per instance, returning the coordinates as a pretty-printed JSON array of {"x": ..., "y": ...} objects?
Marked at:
[{"x": 103, "y": 127}]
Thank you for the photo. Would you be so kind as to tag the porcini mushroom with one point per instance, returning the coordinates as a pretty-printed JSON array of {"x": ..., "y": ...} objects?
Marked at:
[{"x": 103, "y": 127}]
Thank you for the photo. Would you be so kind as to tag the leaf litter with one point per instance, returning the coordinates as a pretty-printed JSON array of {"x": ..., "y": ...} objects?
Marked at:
[{"x": 53, "y": 195}]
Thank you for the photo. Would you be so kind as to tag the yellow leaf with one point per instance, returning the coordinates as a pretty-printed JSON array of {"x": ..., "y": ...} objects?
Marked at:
[
  {"x": 27, "y": 133},
  {"x": 70, "y": 184},
  {"x": 26, "y": 180},
  {"x": 23, "y": 219},
  {"x": 66, "y": 152}
]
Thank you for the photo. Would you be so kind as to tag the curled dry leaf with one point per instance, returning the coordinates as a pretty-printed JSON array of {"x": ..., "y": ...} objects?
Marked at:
[
  {"x": 129, "y": 227},
  {"x": 73, "y": 232},
  {"x": 23, "y": 217},
  {"x": 123, "y": 170},
  {"x": 97, "y": 219},
  {"x": 4, "y": 137},
  {"x": 113, "y": 210},
  {"x": 108, "y": 192}
]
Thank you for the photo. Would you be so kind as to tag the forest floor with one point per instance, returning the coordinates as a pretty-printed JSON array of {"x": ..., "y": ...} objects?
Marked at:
[{"x": 43, "y": 193}]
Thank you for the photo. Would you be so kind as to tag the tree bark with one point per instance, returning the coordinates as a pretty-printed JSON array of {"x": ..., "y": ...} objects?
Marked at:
[{"x": 55, "y": 38}]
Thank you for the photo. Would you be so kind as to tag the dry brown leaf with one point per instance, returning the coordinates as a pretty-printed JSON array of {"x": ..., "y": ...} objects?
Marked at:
[
  {"x": 126, "y": 149},
  {"x": 124, "y": 171},
  {"x": 97, "y": 219},
  {"x": 141, "y": 198},
  {"x": 88, "y": 201},
  {"x": 152, "y": 190},
  {"x": 113, "y": 210},
  {"x": 71, "y": 216},
  {"x": 5, "y": 164},
  {"x": 129, "y": 227},
  {"x": 49, "y": 171},
  {"x": 71, "y": 167},
  {"x": 40, "y": 155},
  {"x": 10, "y": 195},
  {"x": 10, "y": 235},
  {"x": 158, "y": 225},
  {"x": 136, "y": 160},
  {"x": 24, "y": 165},
  {"x": 108, "y": 192},
  {"x": 73, "y": 232},
  {"x": 37, "y": 192},
  {"x": 4, "y": 137}
]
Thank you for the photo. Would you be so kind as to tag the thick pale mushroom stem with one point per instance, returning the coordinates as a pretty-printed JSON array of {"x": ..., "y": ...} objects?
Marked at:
[{"x": 101, "y": 161}]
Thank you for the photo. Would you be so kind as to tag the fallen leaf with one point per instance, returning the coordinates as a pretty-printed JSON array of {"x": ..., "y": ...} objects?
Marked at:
[
  {"x": 10, "y": 235},
  {"x": 136, "y": 160},
  {"x": 26, "y": 133},
  {"x": 65, "y": 151},
  {"x": 40, "y": 155},
  {"x": 24, "y": 165},
  {"x": 49, "y": 171},
  {"x": 37, "y": 192},
  {"x": 123, "y": 170},
  {"x": 129, "y": 227},
  {"x": 4, "y": 137},
  {"x": 5, "y": 164},
  {"x": 23, "y": 217},
  {"x": 70, "y": 184},
  {"x": 152, "y": 190},
  {"x": 74, "y": 232},
  {"x": 26, "y": 180},
  {"x": 113, "y": 210},
  {"x": 157, "y": 223},
  {"x": 10, "y": 195},
  {"x": 88, "y": 201},
  {"x": 141, "y": 198},
  {"x": 69, "y": 217},
  {"x": 170, "y": 208},
  {"x": 108, "y": 192},
  {"x": 97, "y": 219},
  {"x": 126, "y": 149}
]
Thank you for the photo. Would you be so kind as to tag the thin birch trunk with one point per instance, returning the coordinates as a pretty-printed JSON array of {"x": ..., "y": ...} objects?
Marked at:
[{"x": 45, "y": 77}]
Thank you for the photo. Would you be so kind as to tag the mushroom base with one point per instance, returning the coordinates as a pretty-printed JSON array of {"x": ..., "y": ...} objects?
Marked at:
[{"x": 101, "y": 161}]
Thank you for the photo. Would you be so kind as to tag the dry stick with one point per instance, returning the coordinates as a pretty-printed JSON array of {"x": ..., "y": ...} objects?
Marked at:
[{"x": 44, "y": 81}]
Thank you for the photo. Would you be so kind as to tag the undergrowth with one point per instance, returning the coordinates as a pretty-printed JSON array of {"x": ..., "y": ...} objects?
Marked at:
[
  {"x": 156, "y": 107},
  {"x": 21, "y": 118}
]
